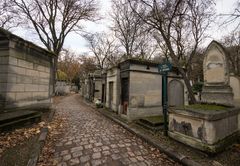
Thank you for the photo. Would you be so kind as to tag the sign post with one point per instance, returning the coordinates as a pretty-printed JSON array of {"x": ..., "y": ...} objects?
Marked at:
[{"x": 163, "y": 69}]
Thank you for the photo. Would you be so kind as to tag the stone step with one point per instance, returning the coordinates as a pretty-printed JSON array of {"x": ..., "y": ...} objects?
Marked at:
[
  {"x": 152, "y": 123},
  {"x": 15, "y": 119}
]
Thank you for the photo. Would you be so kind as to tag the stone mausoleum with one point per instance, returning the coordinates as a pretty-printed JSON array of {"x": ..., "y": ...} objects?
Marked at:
[
  {"x": 134, "y": 89},
  {"x": 26, "y": 74}
]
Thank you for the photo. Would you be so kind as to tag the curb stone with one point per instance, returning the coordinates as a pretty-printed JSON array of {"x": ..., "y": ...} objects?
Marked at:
[
  {"x": 186, "y": 161},
  {"x": 41, "y": 141}
]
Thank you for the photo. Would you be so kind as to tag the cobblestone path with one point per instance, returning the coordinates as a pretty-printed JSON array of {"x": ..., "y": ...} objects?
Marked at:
[{"x": 92, "y": 139}]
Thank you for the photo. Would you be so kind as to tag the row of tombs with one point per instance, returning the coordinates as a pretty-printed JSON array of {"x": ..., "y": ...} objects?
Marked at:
[{"x": 133, "y": 89}]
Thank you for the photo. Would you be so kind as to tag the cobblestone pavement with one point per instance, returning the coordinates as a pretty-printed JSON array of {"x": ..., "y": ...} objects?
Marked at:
[{"x": 92, "y": 139}]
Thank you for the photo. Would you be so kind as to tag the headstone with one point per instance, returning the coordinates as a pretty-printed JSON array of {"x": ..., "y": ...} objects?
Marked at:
[
  {"x": 175, "y": 93},
  {"x": 216, "y": 87}
]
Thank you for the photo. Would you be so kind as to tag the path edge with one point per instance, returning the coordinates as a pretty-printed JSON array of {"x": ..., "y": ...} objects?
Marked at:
[
  {"x": 176, "y": 156},
  {"x": 41, "y": 141}
]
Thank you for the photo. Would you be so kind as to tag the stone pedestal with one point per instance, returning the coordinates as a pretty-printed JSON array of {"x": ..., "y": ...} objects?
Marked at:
[
  {"x": 217, "y": 94},
  {"x": 209, "y": 131}
]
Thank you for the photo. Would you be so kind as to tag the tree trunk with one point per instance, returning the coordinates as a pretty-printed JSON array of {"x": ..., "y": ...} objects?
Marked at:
[
  {"x": 189, "y": 87},
  {"x": 54, "y": 73}
]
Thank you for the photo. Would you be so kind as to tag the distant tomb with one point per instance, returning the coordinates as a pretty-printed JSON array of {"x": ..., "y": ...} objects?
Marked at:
[{"x": 216, "y": 76}]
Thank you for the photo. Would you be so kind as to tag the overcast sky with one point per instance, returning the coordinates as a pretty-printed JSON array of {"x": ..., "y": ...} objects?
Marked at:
[{"x": 76, "y": 43}]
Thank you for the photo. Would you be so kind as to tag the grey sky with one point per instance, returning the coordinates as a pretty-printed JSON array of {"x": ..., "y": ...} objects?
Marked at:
[{"x": 76, "y": 43}]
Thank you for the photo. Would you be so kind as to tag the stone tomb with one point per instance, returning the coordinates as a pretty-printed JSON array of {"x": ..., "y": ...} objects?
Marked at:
[
  {"x": 26, "y": 74},
  {"x": 216, "y": 87},
  {"x": 209, "y": 130},
  {"x": 141, "y": 89},
  {"x": 210, "y": 127}
]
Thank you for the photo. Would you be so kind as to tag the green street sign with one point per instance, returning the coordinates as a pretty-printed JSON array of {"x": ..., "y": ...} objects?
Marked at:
[{"x": 164, "y": 67}]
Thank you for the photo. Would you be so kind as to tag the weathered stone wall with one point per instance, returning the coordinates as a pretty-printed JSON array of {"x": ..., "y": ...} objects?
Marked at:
[
  {"x": 145, "y": 91},
  {"x": 145, "y": 95},
  {"x": 25, "y": 75},
  {"x": 113, "y": 76},
  {"x": 4, "y": 58},
  {"x": 62, "y": 88},
  {"x": 98, "y": 89},
  {"x": 86, "y": 89},
  {"x": 235, "y": 85},
  {"x": 203, "y": 130}
]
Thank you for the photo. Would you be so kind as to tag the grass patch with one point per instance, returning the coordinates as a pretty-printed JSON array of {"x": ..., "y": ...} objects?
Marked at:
[
  {"x": 154, "y": 119},
  {"x": 206, "y": 107}
]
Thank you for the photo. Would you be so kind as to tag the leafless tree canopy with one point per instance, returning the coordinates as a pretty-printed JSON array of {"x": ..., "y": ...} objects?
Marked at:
[
  {"x": 53, "y": 20},
  {"x": 127, "y": 26},
  {"x": 147, "y": 47},
  {"x": 233, "y": 17},
  {"x": 9, "y": 16},
  {"x": 232, "y": 44},
  {"x": 104, "y": 49},
  {"x": 181, "y": 25}
]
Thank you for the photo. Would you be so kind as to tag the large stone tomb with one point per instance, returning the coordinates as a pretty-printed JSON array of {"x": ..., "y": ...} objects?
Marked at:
[{"x": 209, "y": 127}]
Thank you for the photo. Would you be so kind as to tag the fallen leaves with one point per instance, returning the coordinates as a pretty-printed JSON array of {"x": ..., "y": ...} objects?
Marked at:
[
  {"x": 56, "y": 128},
  {"x": 18, "y": 136}
]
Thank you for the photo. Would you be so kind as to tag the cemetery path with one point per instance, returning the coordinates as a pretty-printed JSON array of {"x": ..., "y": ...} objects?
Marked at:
[{"x": 92, "y": 139}]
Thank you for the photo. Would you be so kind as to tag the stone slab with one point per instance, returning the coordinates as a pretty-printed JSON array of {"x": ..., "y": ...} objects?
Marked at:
[
  {"x": 209, "y": 131},
  {"x": 195, "y": 143}
]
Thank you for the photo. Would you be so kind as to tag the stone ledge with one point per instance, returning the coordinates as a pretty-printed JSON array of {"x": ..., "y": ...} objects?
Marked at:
[
  {"x": 195, "y": 143},
  {"x": 206, "y": 115},
  {"x": 41, "y": 142}
]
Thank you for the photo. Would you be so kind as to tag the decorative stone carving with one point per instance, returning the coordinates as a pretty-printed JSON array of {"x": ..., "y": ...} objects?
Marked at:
[{"x": 216, "y": 76}]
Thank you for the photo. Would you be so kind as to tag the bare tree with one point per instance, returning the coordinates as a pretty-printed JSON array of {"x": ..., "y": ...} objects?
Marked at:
[
  {"x": 104, "y": 49},
  {"x": 9, "y": 16},
  {"x": 126, "y": 25},
  {"x": 146, "y": 46},
  {"x": 233, "y": 17},
  {"x": 181, "y": 24},
  {"x": 232, "y": 44},
  {"x": 53, "y": 20}
]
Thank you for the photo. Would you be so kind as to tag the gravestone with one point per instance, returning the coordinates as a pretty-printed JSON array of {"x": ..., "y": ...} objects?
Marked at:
[
  {"x": 216, "y": 87},
  {"x": 175, "y": 93}
]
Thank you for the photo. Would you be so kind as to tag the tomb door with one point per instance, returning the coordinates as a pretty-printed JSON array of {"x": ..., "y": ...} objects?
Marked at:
[
  {"x": 110, "y": 94},
  {"x": 103, "y": 93},
  {"x": 125, "y": 94}
]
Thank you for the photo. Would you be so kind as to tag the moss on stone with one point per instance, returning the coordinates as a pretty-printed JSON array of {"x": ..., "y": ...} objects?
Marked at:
[
  {"x": 206, "y": 107},
  {"x": 154, "y": 119}
]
